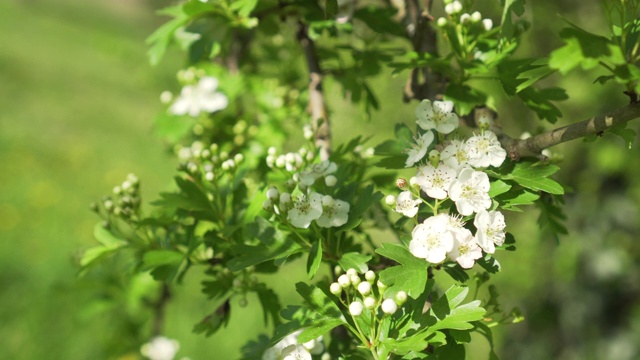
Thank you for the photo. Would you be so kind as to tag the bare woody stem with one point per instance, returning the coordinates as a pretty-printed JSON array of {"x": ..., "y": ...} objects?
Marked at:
[
  {"x": 317, "y": 106},
  {"x": 595, "y": 126}
]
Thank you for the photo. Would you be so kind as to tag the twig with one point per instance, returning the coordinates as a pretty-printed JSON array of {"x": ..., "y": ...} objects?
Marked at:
[
  {"x": 596, "y": 125},
  {"x": 317, "y": 105}
]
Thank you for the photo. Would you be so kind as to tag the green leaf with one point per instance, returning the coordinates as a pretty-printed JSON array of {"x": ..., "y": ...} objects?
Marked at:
[
  {"x": 243, "y": 7},
  {"x": 366, "y": 198},
  {"x": 516, "y": 197},
  {"x": 354, "y": 260},
  {"x": 451, "y": 315},
  {"x": 91, "y": 255},
  {"x": 315, "y": 259},
  {"x": 155, "y": 258},
  {"x": 628, "y": 135},
  {"x": 540, "y": 102},
  {"x": 498, "y": 187},
  {"x": 405, "y": 345},
  {"x": 410, "y": 276},
  {"x": 106, "y": 237},
  {"x": 270, "y": 304},
  {"x": 584, "y": 49},
  {"x": 318, "y": 301},
  {"x": 465, "y": 98},
  {"x": 330, "y": 9},
  {"x": 534, "y": 176},
  {"x": 319, "y": 328}
]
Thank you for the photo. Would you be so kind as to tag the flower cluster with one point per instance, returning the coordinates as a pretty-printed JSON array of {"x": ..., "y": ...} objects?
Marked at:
[
  {"x": 453, "y": 171},
  {"x": 125, "y": 201},
  {"x": 289, "y": 349},
  {"x": 454, "y": 9},
  {"x": 197, "y": 98},
  {"x": 365, "y": 295},
  {"x": 209, "y": 161},
  {"x": 302, "y": 205}
]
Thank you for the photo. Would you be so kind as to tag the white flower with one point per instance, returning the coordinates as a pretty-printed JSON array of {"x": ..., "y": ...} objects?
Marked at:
[
  {"x": 465, "y": 250},
  {"x": 419, "y": 149},
  {"x": 406, "y": 205},
  {"x": 435, "y": 181},
  {"x": 334, "y": 213},
  {"x": 310, "y": 174},
  {"x": 470, "y": 191},
  {"x": 295, "y": 352},
  {"x": 455, "y": 155},
  {"x": 485, "y": 150},
  {"x": 490, "y": 232},
  {"x": 160, "y": 348},
  {"x": 389, "y": 306},
  {"x": 199, "y": 98},
  {"x": 437, "y": 116},
  {"x": 305, "y": 209},
  {"x": 432, "y": 239}
]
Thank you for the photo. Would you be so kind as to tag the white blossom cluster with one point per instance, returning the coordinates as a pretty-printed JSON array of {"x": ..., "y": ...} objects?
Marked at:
[
  {"x": 290, "y": 162},
  {"x": 302, "y": 206},
  {"x": 453, "y": 173},
  {"x": 209, "y": 161},
  {"x": 160, "y": 348},
  {"x": 289, "y": 349},
  {"x": 196, "y": 98},
  {"x": 365, "y": 295},
  {"x": 125, "y": 201},
  {"x": 455, "y": 11}
]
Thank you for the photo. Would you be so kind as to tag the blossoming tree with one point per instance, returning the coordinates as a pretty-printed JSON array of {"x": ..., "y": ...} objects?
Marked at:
[{"x": 243, "y": 206}]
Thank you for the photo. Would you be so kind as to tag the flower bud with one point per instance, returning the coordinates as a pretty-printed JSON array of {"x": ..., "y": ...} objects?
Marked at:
[
  {"x": 389, "y": 306},
  {"x": 442, "y": 22},
  {"x": 369, "y": 302},
  {"x": 364, "y": 288},
  {"x": 434, "y": 157},
  {"x": 355, "y": 308},
  {"x": 381, "y": 286},
  {"x": 285, "y": 198},
  {"x": 401, "y": 297},
  {"x": 209, "y": 176},
  {"x": 401, "y": 183},
  {"x": 117, "y": 190},
  {"x": 413, "y": 181},
  {"x": 273, "y": 194},
  {"x": 330, "y": 180},
  {"x": 272, "y": 151},
  {"x": 488, "y": 24},
  {"x": 352, "y": 271},
  {"x": 355, "y": 279},
  {"x": 267, "y": 205},
  {"x": 238, "y": 158},
  {"x": 344, "y": 281},
  {"x": 476, "y": 16},
  {"x": 465, "y": 18},
  {"x": 335, "y": 288},
  {"x": 390, "y": 200},
  {"x": 370, "y": 275},
  {"x": 484, "y": 122},
  {"x": 166, "y": 97}
]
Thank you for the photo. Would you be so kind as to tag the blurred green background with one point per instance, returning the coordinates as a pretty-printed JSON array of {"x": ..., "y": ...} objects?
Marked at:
[{"x": 77, "y": 102}]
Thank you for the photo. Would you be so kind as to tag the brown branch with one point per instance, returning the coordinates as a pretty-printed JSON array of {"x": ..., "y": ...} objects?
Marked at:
[
  {"x": 422, "y": 83},
  {"x": 317, "y": 105},
  {"x": 533, "y": 146}
]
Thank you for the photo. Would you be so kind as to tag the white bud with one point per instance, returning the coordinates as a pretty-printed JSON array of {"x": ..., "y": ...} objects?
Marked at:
[
  {"x": 465, "y": 18},
  {"x": 310, "y": 156},
  {"x": 390, "y": 200},
  {"x": 271, "y": 160},
  {"x": 273, "y": 194},
  {"x": 457, "y": 6},
  {"x": 369, "y": 302},
  {"x": 126, "y": 185},
  {"x": 272, "y": 151},
  {"x": 352, "y": 271},
  {"x": 370, "y": 275},
  {"x": 303, "y": 151},
  {"x": 209, "y": 176},
  {"x": 328, "y": 201},
  {"x": 381, "y": 285},
  {"x": 344, "y": 281},
  {"x": 117, "y": 190},
  {"x": 238, "y": 158},
  {"x": 413, "y": 181},
  {"x": 166, "y": 97},
  {"x": 267, "y": 205},
  {"x": 330, "y": 180},
  {"x": 355, "y": 308},
  {"x": 355, "y": 279},
  {"x": 307, "y": 132},
  {"x": 389, "y": 306},
  {"x": 476, "y": 16},
  {"x": 364, "y": 288},
  {"x": 401, "y": 297},
  {"x": 335, "y": 288},
  {"x": 285, "y": 198},
  {"x": 488, "y": 24},
  {"x": 442, "y": 22}
]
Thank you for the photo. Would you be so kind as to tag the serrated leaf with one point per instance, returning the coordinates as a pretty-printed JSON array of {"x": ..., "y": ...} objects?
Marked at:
[
  {"x": 451, "y": 315},
  {"x": 155, "y": 258},
  {"x": 354, "y": 260},
  {"x": 535, "y": 177},
  {"x": 498, "y": 187},
  {"x": 106, "y": 237},
  {"x": 405, "y": 345},
  {"x": 314, "y": 259},
  {"x": 410, "y": 276},
  {"x": 318, "y": 301},
  {"x": 270, "y": 304},
  {"x": 465, "y": 98}
]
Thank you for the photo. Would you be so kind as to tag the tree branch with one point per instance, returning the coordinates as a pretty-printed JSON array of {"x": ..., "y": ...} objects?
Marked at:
[
  {"x": 317, "y": 105},
  {"x": 596, "y": 125}
]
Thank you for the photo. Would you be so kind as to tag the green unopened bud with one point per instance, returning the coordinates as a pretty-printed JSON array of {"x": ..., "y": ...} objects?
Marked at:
[
  {"x": 401, "y": 297},
  {"x": 401, "y": 183},
  {"x": 434, "y": 157}
]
